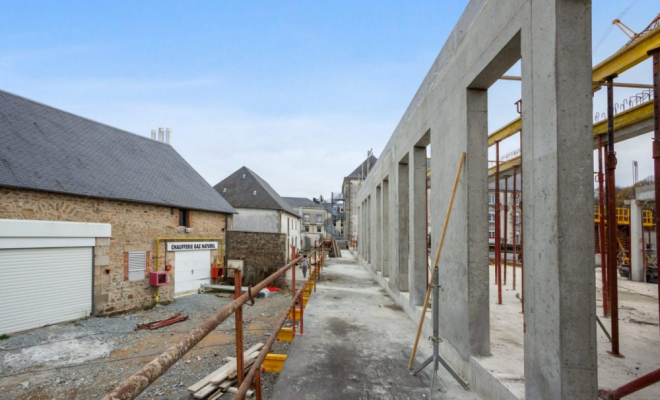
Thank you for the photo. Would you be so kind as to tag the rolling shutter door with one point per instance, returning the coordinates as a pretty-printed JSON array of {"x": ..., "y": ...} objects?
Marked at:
[{"x": 44, "y": 286}]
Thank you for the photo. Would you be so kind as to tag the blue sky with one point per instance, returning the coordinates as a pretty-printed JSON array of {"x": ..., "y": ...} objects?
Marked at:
[{"x": 296, "y": 91}]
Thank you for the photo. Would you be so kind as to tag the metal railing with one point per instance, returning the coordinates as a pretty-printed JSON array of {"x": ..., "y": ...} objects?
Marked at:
[{"x": 142, "y": 379}]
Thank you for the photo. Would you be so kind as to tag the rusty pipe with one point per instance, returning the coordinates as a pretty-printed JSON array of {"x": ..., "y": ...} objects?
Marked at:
[
  {"x": 498, "y": 238},
  {"x": 656, "y": 150},
  {"x": 612, "y": 229},
  {"x": 601, "y": 230},
  {"x": 140, "y": 380},
  {"x": 506, "y": 222},
  {"x": 238, "y": 282},
  {"x": 242, "y": 390},
  {"x": 515, "y": 253},
  {"x": 631, "y": 387}
]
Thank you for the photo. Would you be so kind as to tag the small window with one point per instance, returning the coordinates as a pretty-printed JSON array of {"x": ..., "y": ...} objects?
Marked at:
[
  {"x": 491, "y": 199},
  {"x": 319, "y": 229},
  {"x": 224, "y": 190},
  {"x": 491, "y": 217},
  {"x": 306, "y": 228},
  {"x": 517, "y": 201},
  {"x": 517, "y": 218},
  {"x": 319, "y": 219},
  {"x": 491, "y": 234},
  {"x": 306, "y": 217},
  {"x": 184, "y": 217},
  {"x": 137, "y": 264}
]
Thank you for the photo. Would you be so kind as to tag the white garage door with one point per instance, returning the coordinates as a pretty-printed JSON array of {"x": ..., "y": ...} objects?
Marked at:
[
  {"x": 44, "y": 286},
  {"x": 191, "y": 269}
]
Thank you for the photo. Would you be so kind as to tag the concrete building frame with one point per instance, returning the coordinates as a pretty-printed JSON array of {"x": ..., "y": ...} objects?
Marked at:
[{"x": 553, "y": 39}]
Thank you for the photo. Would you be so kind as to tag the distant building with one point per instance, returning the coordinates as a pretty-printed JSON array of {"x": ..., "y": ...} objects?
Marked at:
[
  {"x": 314, "y": 217},
  {"x": 506, "y": 214},
  {"x": 259, "y": 207},
  {"x": 83, "y": 208},
  {"x": 349, "y": 189}
]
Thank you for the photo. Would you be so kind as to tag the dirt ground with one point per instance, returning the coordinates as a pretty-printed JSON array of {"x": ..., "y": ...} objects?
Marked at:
[{"x": 86, "y": 359}]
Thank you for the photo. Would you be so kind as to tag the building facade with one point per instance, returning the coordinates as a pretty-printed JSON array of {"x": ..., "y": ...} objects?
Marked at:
[
  {"x": 95, "y": 220},
  {"x": 350, "y": 188},
  {"x": 314, "y": 218}
]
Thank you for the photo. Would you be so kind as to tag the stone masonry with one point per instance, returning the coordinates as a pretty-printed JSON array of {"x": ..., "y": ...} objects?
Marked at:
[
  {"x": 135, "y": 227},
  {"x": 263, "y": 254}
]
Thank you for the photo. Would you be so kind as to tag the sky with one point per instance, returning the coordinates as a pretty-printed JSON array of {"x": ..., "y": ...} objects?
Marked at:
[{"x": 297, "y": 91}]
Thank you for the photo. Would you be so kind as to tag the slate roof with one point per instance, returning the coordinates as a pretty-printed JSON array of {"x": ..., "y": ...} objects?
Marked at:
[
  {"x": 302, "y": 202},
  {"x": 356, "y": 174},
  {"x": 239, "y": 189},
  {"x": 47, "y": 149}
]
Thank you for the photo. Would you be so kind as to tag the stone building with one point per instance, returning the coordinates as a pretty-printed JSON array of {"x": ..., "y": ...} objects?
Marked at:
[
  {"x": 260, "y": 208},
  {"x": 315, "y": 220},
  {"x": 89, "y": 213},
  {"x": 349, "y": 189}
]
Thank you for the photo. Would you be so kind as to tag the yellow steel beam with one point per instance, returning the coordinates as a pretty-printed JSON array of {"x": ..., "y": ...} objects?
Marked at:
[
  {"x": 505, "y": 166},
  {"x": 618, "y": 63},
  {"x": 626, "y": 118},
  {"x": 627, "y": 57},
  {"x": 506, "y": 131},
  {"x": 274, "y": 362}
]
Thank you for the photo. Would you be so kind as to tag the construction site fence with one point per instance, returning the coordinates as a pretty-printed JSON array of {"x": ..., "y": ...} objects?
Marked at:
[{"x": 142, "y": 379}]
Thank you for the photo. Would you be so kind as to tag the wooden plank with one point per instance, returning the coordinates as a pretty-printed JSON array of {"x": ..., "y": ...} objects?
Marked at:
[
  {"x": 227, "y": 373},
  {"x": 233, "y": 389},
  {"x": 227, "y": 367},
  {"x": 205, "y": 391}
]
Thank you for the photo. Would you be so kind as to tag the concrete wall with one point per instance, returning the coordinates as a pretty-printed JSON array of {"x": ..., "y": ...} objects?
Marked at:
[
  {"x": 553, "y": 38},
  {"x": 262, "y": 254},
  {"x": 257, "y": 220},
  {"x": 135, "y": 227}
]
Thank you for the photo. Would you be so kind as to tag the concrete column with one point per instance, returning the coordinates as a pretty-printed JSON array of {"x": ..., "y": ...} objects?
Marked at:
[
  {"x": 386, "y": 229},
  {"x": 636, "y": 232},
  {"x": 560, "y": 306},
  {"x": 370, "y": 231},
  {"x": 476, "y": 180},
  {"x": 402, "y": 280},
  {"x": 378, "y": 235},
  {"x": 417, "y": 225},
  {"x": 359, "y": 247}
]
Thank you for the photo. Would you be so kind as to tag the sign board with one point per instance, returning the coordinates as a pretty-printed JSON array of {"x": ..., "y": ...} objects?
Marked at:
[
  {"x": 235, "y": 264},
  {"x": 187, "y": 246}
]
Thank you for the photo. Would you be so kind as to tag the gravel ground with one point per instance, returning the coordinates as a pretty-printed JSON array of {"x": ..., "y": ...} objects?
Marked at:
[{"x": 88, "y": 358}]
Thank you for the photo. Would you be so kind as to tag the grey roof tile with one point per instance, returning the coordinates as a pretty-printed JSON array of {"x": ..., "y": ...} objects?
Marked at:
[
  {"x": 47, "y": 149},
  {"x": 245, "y": 189},
  {"x": 359, "y": 170}
]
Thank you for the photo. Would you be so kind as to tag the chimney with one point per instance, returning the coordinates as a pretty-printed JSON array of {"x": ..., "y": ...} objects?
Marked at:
[
  {"x": 161, "y": 134},
  {"x": 168, "y": 136},
  {"x": 153, "y": 134}
]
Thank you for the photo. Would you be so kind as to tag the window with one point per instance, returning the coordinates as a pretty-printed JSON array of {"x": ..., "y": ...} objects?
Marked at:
[
  {"x": 517, "y": 218},
  {"x": 491, "y": 217},
  {"x": 491, "y": 199},
  {"x": 137, "y": 265},
  {"x": 319, "y": 219},
  {"x": 319, "y": 229},
  {"x": 517, "y": 237},
  {"x": 288, "y": 224},
  {"x": 491, "y": 234},
  {"x": 184, "y": 217},
  {"x": 306, "y": 228},
  {"x": 517, "y": 200},
  {"x": 306, "y": 217}
]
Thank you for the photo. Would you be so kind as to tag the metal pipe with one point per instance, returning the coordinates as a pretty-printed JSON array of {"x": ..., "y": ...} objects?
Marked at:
[
  {"x": 515, "y": 253},
  {"x": 619, "y": 84},
  {"x": 522, "y": 220},
  {"x": 631, "y": 387},
  {"x": 506, "y": 221},
  {"x": 656, "y": 150},
  {"x": 612, "y": 230},
  {"x": 601, "y": 230},
  {"x": 242, "y": 389},
  {"x": 239, "y": 326},
  {"x": 498, "y": 238},
  {"x": 140, "y": 380}
]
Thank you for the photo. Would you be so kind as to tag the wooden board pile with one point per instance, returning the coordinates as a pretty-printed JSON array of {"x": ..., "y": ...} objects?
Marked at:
[{"x": 222, "y": 380}]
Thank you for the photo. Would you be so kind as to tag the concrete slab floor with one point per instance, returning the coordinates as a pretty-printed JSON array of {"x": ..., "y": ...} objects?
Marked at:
[
  {"x": 638, "y": 326},
  {"x": 356, "y": 345}
]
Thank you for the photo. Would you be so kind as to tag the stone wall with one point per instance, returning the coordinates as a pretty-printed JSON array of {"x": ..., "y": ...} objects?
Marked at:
[
  {"x": 135, "y": 227},
  {"x": 262, "y": 253}
]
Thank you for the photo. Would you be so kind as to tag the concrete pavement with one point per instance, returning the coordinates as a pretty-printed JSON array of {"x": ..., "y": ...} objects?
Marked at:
[{"x": 356, "y": 345}]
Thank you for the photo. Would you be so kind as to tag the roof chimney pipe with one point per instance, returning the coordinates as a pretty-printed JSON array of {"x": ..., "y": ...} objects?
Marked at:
[
  {"x": 161, "y": 134},
  {"x": 153, "y": 134},
  {"x": 168, "y": 136}
]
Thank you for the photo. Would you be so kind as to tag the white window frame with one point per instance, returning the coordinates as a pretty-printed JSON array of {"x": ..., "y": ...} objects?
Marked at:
[
  {"x": 491, "y": 234},
  {"x": 319, "y": 229},
  {"x": 491, "y": 198},
  {"x": 319, "y": 218},
  {"x": 491, "y": 216},
  {"x": 306, "y": 217},
  {"x": 306, "y": 228},
  {"x": 137, "y": 265}
]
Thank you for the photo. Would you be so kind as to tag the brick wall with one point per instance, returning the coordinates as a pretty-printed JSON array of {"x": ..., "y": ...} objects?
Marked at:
[
  {"x": 135, "y": 227},
  {"x": 263, "y": 253}
]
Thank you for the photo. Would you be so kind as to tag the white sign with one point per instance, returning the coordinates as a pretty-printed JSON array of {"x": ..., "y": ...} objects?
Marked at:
[{"x": 181, "y": 246}]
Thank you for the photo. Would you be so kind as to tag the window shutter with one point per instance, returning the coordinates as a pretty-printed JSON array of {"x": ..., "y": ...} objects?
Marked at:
[{"x": 137, "y": 264}]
